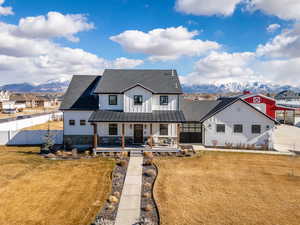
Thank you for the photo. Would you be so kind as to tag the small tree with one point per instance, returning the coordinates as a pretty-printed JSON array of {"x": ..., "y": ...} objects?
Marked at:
[{"x": 48, "y": 140}]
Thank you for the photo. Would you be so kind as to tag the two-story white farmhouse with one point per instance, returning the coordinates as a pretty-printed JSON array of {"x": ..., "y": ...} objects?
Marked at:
[{"x": 126, "y": 108}]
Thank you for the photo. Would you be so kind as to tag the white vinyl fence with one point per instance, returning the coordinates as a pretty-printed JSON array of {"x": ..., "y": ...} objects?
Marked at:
[
  {"x": 21, "y": 122},
  {"x": 29, "y": 137}
]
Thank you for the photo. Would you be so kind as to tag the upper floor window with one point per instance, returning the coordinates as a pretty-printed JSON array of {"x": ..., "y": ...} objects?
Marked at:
[
  {"x": 82, "y": 122},
  {"x": 238, "y": 128},
  {"x": 164, "y": 100},
  {"x": 112, "y": 99},
  {"x": 138, "y": 99},
  {"x": 72, "y": 122},
  {"x": 220, "y": 128},
  {"x": 256, "y": 129},
  {"x": 113, "y": 129}
]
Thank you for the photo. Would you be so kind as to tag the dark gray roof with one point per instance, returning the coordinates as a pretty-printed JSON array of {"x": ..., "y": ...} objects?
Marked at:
[
  {"x": 156, "y": 116},
  {"x": 194, "y": 111},
  {"x": 287, "y": 95},
  {"x": 79, "y": 95},
  {"x": 156, "y": 81}
]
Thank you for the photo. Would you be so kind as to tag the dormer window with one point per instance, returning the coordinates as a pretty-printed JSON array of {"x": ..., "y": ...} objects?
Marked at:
[
  {"x": 112, "y": 99},
  {"x": 164, "y": 100},
  {"x": 138, "y": 99}
]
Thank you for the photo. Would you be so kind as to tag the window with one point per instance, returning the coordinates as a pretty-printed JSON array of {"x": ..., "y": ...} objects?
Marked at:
[
  {"x": 72, "y": 122},
  {"x": 164, "y": 100},
  {"x": 138, "y": 99},
  {"x": 238, "y": 128},
  {"x": 82, "y": 122},
  {"x": 112, "y": 99},
  {"x": 220, "y": 128},
  {"x": 113, "y": 129},
  {"x": 190, "y": 127},
  {"x": 163, "y": 129},
  {"x": 256, "y": 129}
]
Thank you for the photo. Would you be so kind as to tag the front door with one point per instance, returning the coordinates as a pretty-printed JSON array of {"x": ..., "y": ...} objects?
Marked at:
[{"x": 138, "y": 134}]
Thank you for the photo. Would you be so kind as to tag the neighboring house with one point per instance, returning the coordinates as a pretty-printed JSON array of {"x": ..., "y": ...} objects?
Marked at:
[
  {"x": 288, "y": 98},
  {"x": 43, "y": 101},
  {"x": 8, "y": 107},
  {"x": 146, "y": 107},
  {"x": 27, "y": 99}
]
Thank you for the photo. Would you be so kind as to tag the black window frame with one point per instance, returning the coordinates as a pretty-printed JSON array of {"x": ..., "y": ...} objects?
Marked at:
[
  {"x": 110, "y": 100},
  {"x": 162, "y": 99},
  {"x": 113, "y": 129},
  {"x": 82, "y": 122},
  {"x": 253, "y": 128},
  {"x": 72, "y": 122},
  {"x": 138, "y": 99},
  {"x": 236, "y": 129},
  {"x": 191, "y": 127},
  {"x": 163, "y": 129},
  {"x": 222, "y": 126}
]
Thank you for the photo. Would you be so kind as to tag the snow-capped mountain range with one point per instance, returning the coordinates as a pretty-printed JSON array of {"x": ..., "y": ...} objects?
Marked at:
[{"x": 62, "y": 85}]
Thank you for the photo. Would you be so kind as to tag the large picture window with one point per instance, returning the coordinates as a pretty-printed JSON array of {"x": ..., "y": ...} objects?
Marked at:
[
  {"x": 113, "y": 129},
  {"x": 238, "y": 128},
  {"x": 256, "y": 129},
  {"x": 112, "y": 99},
  {"x": 163, "y": 129},
  {"x": 138, "y": 99},
  {"x": 220, "y": 128},
  {"x": 164, "y": 100},
  {"x": 190, "y": 127}
]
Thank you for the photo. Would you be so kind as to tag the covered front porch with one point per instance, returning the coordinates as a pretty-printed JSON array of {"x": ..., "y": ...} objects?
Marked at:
[{"x": 119, "y": 131}]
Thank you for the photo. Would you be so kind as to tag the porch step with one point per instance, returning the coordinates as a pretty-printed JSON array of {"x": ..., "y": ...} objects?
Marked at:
[{"x": 136, "y": 153}]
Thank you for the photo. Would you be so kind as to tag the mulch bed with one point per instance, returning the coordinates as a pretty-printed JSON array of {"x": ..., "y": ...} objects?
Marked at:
[
  {"x": 149, "y": 216},
  {"x": 108, "y": 213}
]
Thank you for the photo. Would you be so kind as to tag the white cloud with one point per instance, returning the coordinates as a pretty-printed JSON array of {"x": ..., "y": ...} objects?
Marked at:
[
  {"x": 284, "y": 9},
  {"x": 222, "y": 67},
  {"x": 5, "y": 11},
  {"x": 53, "y": 25},
  {"x": 207, "y": 7},
  {"x": 286, "y": 44},
  {"x": 164, "y": 44},
  {"x": 273, "y": 27},
  {"x": 28, "y": 59}
]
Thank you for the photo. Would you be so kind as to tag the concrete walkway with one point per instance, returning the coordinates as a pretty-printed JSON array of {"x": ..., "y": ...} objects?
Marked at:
[{"x": 130, "y": 202}]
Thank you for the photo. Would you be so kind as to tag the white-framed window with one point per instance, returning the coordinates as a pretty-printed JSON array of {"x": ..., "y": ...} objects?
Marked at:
[
  {"x": 163, "y": 129},
  {"x": 220, "y": 128},
  {"x": 238, "y": 128}
]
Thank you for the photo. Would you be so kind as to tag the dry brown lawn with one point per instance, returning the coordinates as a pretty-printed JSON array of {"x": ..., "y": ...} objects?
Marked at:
[
  {"x": 36, "y": 191},
  {"x": 229, "y": 189},
  {"x": 52, "y": 125},
  {"x": 28, "y": 111}
]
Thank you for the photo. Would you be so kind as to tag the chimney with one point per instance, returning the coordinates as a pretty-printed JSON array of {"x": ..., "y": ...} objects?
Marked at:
[{"x": 246, "y": 92}]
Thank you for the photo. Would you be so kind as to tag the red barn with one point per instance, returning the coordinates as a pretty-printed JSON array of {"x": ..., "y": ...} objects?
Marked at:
[{"x": 265, "y": 104}]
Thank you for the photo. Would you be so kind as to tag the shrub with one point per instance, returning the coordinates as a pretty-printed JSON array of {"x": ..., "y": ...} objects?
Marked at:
[
  {"x": 112, "y": 199},
  {"x": 150, "y": 173},
  {"x": 148, "y": 208},
  {"x": 110, "y": 207},
  {"x": 122, "y": 163},
  {"x": 146, "y": 195},
  {"x": 148, "y": 162},
  {"x": 148, "y": 155},
  {"x": 117, "y": 194}
]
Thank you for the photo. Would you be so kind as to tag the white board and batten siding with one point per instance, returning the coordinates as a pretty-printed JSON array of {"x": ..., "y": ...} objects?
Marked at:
[
  {"x": 104, "y": 102},
  {"x": 129, "y": 105},
  {"x": 77, "y": 129},
  {"x": 238, "y": 113},
  {"x": 172, "y": 102}
]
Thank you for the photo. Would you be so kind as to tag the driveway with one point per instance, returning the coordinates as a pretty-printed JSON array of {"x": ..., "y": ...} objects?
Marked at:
[{"x": 287, "y": 138}]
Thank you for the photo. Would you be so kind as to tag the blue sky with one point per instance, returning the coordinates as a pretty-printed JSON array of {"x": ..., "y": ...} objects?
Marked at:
[{"x": 221, "y": 41}]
